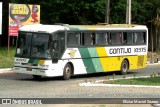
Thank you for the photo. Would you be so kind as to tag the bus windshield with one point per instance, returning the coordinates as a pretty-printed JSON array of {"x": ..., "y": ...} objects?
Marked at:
[{"x": 33, "y": 45}]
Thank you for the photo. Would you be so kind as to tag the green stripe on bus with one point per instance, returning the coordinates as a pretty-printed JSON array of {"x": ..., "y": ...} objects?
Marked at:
[
  {"x": 30, "y": 61},
  {"x": 96, "y": 61},
  {"x": 87, "y": 60},
  {"x": 76, "y": 28},
  {"x": 33, "y": 61}
]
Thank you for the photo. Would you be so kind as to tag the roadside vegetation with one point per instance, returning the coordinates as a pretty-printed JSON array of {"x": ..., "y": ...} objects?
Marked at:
[
  {"x": 6, "y": 60},
  {"x": 153, "y": 79}
]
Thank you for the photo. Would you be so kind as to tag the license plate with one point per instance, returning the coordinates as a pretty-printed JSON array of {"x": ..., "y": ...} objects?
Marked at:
[{"x": 29, "y": 69}]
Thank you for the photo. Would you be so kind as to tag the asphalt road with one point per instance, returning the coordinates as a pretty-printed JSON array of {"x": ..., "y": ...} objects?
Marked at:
[{"x": 14, "y": 85}]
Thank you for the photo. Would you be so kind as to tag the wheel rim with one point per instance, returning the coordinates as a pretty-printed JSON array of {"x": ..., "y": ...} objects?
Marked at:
[
  {"x": 124, "y": 67},
  {"x": 68, "y": 71}
]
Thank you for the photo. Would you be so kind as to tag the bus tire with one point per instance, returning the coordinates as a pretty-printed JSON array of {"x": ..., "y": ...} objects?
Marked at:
[
  {"x": 67, "y": 72},
  {"x": 37, "y": 77},
  {"x": 124, "y": 67}
]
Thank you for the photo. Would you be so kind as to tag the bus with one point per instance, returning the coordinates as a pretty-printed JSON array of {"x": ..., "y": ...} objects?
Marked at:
[{"x": 67, "y": 50}]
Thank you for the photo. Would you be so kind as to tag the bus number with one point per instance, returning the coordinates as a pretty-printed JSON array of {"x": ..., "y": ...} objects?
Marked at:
[{"x": 139, "y": 49}]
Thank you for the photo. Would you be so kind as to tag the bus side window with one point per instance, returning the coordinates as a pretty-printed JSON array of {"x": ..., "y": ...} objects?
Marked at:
[
  {"x": 102, "y": 39},
  {"x": 82, "y": 39},
  {"x": 107, "y": 38},
  {"x": 135, "y": 38},
  {"x": 119, "y": 37},
  {"x": 144, "y": 36},
  {"x": 116, "y": 37},
  {"x": 78, "y": 35},
  {"x": 89, "y": 39},
  {"x": 130, "y": 37},
  {"x": 141, "y": 38},
  {"x": 73, "y": 39},
  {"x": 112, "y": 39},
  {"x": 124, "y": 38},
  {"x": 93, "y": 37}
]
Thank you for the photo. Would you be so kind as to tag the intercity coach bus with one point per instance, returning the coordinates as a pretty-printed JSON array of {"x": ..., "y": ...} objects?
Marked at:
[{"x": 66, "y": 50}]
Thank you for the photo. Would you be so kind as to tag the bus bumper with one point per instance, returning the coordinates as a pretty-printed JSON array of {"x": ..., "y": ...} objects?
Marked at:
[{"x": 31, "y": 71}]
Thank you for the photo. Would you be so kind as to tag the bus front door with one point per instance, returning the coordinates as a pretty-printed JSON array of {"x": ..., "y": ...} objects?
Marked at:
[{"x": 55, "y": 51}]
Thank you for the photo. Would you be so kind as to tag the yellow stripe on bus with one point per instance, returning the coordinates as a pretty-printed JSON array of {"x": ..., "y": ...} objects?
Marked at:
[
  {"x": 102, "y": 53},
  {"x": 41, "y": 62},
  {"x": 91, "y": 28}
]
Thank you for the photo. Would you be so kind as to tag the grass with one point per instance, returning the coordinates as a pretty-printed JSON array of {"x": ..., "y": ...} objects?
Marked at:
[
  {"x": 136, "y": 81},
  {"x": 6, "y": 59}
]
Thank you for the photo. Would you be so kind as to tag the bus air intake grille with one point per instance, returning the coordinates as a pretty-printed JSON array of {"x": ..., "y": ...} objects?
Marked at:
[{"x": 140, "y": 62}]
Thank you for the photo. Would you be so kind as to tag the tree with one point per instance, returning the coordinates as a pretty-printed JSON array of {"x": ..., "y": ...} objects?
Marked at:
[
  {"x": 154, "y": 5},
  {"x": 92, "y": 12},
  {"x": 117, "y": 11},
  {"x": 73, "y": 12}
]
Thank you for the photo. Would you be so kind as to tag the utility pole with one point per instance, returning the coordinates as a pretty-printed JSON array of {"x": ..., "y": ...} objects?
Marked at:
[
  {"x": 107, "y": 11},
  {"x": 128, "y": 12}
]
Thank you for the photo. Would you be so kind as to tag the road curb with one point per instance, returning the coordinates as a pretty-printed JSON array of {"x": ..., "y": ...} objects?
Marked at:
[
  {"x": 116, "y": 85},
  {"x": 153, "y": 63},
  {"x": 100, "y": 83},
  {"x": 6, "y": 70}
]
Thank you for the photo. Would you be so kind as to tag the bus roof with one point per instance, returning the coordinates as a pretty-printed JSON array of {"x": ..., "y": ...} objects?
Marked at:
[
  {"x": 106, "y": 27},
  {"x": 41, "y": 28},
  {"x": 53, "y": 28}
]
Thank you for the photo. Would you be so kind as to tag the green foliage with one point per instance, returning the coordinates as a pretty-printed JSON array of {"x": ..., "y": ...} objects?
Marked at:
[
  {"x": 93, "y": 11},
  {"x": 118, "y": 11},
  {"x": 136, "y": 81},
  {"x": 6, "y": 60}
]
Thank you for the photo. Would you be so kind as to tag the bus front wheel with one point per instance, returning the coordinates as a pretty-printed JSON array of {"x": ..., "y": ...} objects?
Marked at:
[
  {"x": 124, "y": 67},
  {"x": 67, "y": 72}
]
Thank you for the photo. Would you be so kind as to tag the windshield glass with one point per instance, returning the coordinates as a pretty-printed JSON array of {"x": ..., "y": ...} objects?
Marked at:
[
  {"x": 24, "y": 44},
  {"x": 33, "y": 45},
  {"x": 40, "y": 45}
]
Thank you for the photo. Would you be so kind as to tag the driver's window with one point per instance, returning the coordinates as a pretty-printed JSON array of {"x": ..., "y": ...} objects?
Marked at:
[{"x": 58, "y": 44}]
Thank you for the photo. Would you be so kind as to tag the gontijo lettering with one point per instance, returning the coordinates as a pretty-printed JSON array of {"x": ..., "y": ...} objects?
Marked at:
[{"x": 119, "y": 50}]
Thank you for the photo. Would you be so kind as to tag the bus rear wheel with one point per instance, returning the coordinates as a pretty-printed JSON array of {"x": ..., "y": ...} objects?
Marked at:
[
  {"x": 124, "y": 67},
  {"x": 67, "y": 72}
]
